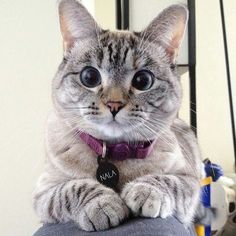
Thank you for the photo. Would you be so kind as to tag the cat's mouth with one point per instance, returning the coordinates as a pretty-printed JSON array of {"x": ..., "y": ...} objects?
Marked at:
[{"x": 114, "y": 123}]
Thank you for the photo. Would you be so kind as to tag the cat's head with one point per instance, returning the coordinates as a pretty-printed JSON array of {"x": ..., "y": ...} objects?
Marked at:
[{"x": 119, "y": 85}]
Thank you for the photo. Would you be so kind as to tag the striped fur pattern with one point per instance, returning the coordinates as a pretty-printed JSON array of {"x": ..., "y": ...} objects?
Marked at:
[{"x": 164, "y": 184}]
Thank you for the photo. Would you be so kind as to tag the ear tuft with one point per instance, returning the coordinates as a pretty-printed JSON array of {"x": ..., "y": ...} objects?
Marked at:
[
  {"x": 76, "y": 22},
  {"x": 168, "y": 29}
]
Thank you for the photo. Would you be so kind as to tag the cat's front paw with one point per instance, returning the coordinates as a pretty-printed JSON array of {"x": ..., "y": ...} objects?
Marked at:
[
  {"x": 102, "y": 213},
  {"x": 146, "y": 200}
]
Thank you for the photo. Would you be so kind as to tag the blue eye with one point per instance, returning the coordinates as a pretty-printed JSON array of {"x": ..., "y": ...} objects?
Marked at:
[
  {"x": 90, "y": 77},
  {"x": 143, "y": 80}
]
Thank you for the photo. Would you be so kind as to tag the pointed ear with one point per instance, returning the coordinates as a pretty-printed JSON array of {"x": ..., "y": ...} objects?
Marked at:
[
  {"x": 168, "y": 29},
  {"x": 76, "y": 23}
]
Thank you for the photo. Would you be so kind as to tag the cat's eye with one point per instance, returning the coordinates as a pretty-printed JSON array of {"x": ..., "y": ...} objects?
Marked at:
[
  {"x": 90, "y": 77},
  {"x": 143, "y": 80}
]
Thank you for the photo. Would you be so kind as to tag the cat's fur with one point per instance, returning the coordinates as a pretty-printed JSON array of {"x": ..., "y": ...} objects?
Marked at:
[{"x": 165, "y": 183}]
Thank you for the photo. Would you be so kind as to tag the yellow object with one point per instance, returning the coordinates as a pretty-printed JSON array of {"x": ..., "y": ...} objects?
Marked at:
[
  {"x": 200, "y": 230},
  {"x": 206, "y": 181}
]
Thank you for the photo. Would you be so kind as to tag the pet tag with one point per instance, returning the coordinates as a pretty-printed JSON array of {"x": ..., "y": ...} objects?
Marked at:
[{"x": 107, "y": 173}]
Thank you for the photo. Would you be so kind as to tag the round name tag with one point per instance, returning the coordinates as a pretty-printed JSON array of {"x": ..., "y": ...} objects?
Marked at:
[{"x": 107, "y": 174}]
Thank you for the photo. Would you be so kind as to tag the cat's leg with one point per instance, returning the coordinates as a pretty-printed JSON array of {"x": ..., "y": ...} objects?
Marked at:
[
  {"x": 85, "y": 201},
  {"x": 163, "y": 196}
]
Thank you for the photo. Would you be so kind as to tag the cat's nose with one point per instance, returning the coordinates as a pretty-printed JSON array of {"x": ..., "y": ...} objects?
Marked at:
[{"x": 114, "y": 107}]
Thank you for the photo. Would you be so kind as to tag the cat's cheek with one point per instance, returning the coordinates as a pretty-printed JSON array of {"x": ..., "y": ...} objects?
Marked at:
[{"x": 168, "y": 106}]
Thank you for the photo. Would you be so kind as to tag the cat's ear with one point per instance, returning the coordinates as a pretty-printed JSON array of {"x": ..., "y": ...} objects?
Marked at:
[
  {"x": 76, "y": 23},
  {"x": 168, "y": 29}
]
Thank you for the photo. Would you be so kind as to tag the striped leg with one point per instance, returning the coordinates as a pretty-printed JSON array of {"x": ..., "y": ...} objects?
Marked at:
[
  {"x": 85, "y": 201},
  {"x": 163, "y": 196}
]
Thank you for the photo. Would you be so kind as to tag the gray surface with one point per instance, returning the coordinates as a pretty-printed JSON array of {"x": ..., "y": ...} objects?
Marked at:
[{"x": 135, "y": 227}]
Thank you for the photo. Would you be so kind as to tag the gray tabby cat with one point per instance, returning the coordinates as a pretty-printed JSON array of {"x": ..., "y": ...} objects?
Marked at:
[{"x": 129, "y": 91}]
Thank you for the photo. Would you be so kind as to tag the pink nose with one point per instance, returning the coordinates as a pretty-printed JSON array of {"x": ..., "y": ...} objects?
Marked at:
[{"x": 114, "y": 107}]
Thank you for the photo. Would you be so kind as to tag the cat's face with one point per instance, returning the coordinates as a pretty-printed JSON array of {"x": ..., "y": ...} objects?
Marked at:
[{"x": 117, "y": 85}]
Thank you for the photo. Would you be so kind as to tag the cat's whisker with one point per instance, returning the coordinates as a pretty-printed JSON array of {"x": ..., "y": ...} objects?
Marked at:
[
  {"x": 137, "y": 133},
  {"x": 73, "y": 137},
  {"x": 76, "y": 109},
  {"x": 73, "y": 121},
  {"x": 70, "y": 132},
  {"x": 172, "y": 127},
  {"x": 191, "y": 164}
]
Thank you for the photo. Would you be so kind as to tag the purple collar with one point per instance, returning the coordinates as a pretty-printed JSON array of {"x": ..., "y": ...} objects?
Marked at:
[{"x": 118, "y": 151}]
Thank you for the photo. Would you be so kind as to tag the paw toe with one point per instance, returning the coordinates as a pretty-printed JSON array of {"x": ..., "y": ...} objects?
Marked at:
[{"x": 151, "y": 208}]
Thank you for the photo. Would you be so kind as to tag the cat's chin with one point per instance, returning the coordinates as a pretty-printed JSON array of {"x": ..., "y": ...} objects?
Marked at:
[{"x": 112, "y": 130}]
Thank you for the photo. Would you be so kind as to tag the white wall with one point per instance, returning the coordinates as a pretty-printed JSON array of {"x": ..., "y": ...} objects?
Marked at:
[
  {"x": 31, "y": 50},
  {"x": 214, "y": 126},
  {"x": 230, "y": 12}
]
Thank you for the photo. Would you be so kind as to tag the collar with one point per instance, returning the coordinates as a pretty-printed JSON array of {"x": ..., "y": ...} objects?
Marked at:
[{"x": 118, "y": 151}]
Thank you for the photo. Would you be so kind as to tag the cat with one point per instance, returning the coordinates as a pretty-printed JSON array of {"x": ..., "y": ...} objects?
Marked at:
[{"x": 118, "y": 86}]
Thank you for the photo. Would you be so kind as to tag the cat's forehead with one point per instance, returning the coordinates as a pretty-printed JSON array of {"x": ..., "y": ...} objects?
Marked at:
[
  {"x": 116, "y": 52},
  {"x": 120, "y": 49},
  {"x": 119, "y": 36}
]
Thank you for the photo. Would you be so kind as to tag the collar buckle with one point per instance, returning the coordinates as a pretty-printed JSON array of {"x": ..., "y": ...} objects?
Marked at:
[{"x": 104, "y": 149}]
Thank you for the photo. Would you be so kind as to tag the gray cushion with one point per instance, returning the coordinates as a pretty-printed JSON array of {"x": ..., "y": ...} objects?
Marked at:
[{"x": 135, "y": 227}]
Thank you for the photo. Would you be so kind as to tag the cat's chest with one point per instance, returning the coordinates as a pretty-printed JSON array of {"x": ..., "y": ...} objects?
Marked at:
[
  {"x": 155, "y": 164},
  {"x": 130, "y": 169},
  {"x": 82, "y": 161}
]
